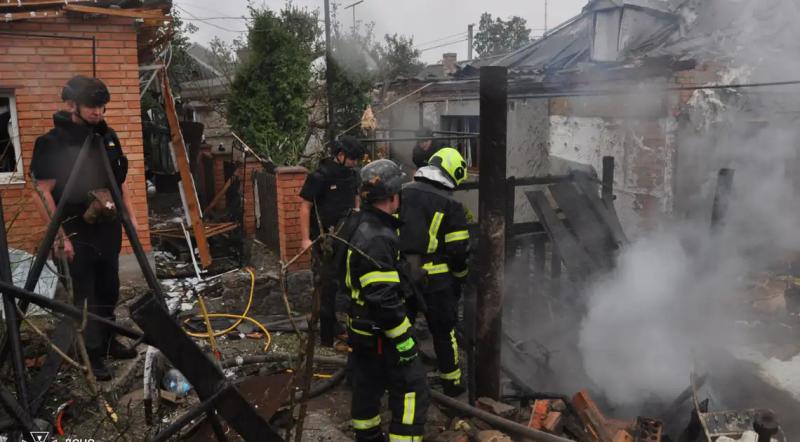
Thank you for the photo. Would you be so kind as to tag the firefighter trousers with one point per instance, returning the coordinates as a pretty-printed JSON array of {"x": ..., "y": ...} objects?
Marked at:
[
  {"x": 442, "y": 318},
  {"x": 372, "y": 374}
]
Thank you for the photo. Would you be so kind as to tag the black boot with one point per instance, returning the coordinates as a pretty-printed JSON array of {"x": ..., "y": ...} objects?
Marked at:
[
  {"x": 452, "y": 389},
  {"x": 118, "y": 351},
  {"x": 99, "y": 369}
]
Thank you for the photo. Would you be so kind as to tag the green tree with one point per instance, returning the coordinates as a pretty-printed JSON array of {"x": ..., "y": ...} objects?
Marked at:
[
  {"x": 272, "y": 86},
  {"x": 399, "y": 58},
  {"x": 496, "y": 36}
]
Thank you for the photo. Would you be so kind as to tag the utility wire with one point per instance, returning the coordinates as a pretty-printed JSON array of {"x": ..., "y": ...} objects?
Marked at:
[
  {"x": 436, "y": 40},
  {"x": 443, "y": 45},
  {"x": 208, "y": 22}
]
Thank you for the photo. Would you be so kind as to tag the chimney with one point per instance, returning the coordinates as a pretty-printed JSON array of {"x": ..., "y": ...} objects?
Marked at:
[{"x": 449, "y": 63}]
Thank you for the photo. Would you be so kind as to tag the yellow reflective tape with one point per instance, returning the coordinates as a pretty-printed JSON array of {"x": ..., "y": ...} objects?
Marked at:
[
  {"x": 409, "y": 408},
  {"x": 366, "y": 424},
  {"x": 404, "y": 438},
  {"x": 452, "y": 376},
  {"x": 399, "y": 330},
  {"x": 433, "y": 232},
  {"x": 372, "y": 277},
  {"x": 454, "y": 344},
  {"x": 348, "y": 281},
  {"x": 461, "y": 274},
  {"x": 435, "y": 269},
  {"x": 461, "y": 235}
]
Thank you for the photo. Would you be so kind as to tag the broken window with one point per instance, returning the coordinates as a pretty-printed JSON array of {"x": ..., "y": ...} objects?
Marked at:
[
  {"x": 10, "y": 159},
  {"x": 460, "y": 125}
]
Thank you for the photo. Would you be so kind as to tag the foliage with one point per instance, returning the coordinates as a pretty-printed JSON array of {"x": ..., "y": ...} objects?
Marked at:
[
  {"x": 496, "y": 36},
  {"x": 267, "y": 106},
  {"x": 399, "y": 58}
]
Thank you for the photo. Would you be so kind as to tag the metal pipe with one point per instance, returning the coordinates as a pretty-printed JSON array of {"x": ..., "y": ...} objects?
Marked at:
[
  {"x": 497, "y": 421},
  {"x": 207, "y": 406},
  {"x": 64, "y": 309},
  {"x": 133, "y": 236},
  {"x": 12, "y": 319},
  {"x": 387, "y": 140},
  {"x": 608, "y": 181},
  {"x": 329, "y": 77},
  {"x": 491, "y": 247}
]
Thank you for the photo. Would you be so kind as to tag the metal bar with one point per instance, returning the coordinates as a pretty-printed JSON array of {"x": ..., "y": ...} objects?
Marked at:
[
  {"x": 606, "y": 212},
  {"x": 511, "y": 191},
  {"x": 413, "y": 131},
  {"x": 12, "y": 319},
  {"x": 15, "y": 410},
  {"x": 491, "y": 246},
  {"x": 329, "y": 77},
  {"x": 63, "y": 308},
  {"x": 722, "y": 197},
  {"x": 388, "y": 140},
  {"x": 62, "y": 338},
  {"x": 216, "y": 427},
  {"x": 198, "y": 410},
  {"x": 528, "y": 181},
  {"x": 133, "y": 236},
  {"x": 608, "y": 181},
  {"x": 204, "y": 375}
]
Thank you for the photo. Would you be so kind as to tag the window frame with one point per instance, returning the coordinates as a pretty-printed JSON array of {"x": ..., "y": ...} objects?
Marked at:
[{"x": 17, "y": 176}]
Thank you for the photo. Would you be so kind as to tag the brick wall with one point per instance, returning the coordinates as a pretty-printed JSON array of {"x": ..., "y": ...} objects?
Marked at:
[
  {"x": 35, "y": 69},
  {"x": 249, "y": 200},
  {"x": 289, "y": 182}
]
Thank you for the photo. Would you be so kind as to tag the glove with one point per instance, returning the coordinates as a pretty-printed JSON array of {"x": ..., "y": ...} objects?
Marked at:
[{"x": 406, "y": 347}]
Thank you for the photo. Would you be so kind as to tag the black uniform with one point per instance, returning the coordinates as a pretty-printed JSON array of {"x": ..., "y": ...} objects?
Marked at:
[
  {"x": 434, "y": 233},
  {"x": 381, "y": 333},
  {"x": 332, "y": 188},
  {"x": 95, "y": 267},
  {"x": 420, "y": 157}
]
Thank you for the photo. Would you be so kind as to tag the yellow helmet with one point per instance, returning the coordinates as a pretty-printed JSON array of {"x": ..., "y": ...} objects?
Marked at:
[{"x": 451, "y": 162}]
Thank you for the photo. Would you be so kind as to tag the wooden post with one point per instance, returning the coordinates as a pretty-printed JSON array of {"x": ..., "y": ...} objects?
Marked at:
[
  {"x": 187, "y": 183},
  {"x": 608, "y": 181},
  {"x": 492, "y": 211}
]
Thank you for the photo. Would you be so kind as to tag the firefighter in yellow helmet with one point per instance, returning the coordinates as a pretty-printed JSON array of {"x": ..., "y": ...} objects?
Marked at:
[{"x": 435, "y": 242}]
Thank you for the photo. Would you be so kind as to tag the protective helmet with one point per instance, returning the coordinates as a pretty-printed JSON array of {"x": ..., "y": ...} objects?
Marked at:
[
  {"x": 351, "y": 147},
  {"x": 86, "y": 91},
  {"x": 451, "y": 162},
  {"x": 381, "y": 179}
]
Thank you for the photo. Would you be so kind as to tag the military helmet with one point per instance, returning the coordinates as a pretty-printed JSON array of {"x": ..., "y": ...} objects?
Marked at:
[
  {"x": 451, "y": 162},
  {"x": 86, "y": 91},
  {"x": 350, "y": 146},
  {"x": 381, "y": 179}
]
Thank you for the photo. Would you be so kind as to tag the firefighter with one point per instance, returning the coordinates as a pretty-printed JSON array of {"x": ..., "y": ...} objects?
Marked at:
[
  {"x": 435, "y": 243},
  {"x": 384, "y": 355},
  {"x": 330, "y": 191}
]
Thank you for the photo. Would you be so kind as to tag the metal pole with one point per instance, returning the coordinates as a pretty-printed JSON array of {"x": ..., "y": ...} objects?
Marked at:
[
  {"x": 469, "y": 39},
  {"x": 329, "y": 67},
  {"x": 10, "y": 310},
  {"x": 545, "y": 17},
  {"x": 492, "y": 207},
  {"x": 608, "y": 181},
  {"x": 722, "y": 197}
]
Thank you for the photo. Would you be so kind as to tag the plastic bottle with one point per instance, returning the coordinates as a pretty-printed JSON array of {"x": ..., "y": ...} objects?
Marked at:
[{"x": 175, "y": 382}]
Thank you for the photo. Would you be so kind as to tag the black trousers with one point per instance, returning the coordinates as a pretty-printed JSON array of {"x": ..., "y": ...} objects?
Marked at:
[
  {"x": 95, "y": 280},
  {"x": 409, "y": 397},
  {"x": 442, "y": 318},
  {"x": 325, "y": 282}
]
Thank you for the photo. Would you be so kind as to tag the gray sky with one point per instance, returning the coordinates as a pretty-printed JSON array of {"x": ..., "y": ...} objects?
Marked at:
[{"x": 431, "y": 22}]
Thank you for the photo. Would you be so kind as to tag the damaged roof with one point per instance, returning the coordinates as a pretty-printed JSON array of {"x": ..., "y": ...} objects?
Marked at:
[{"x": 150, "y": 11}]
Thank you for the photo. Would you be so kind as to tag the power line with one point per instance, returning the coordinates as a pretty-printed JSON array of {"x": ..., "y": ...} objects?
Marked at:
[
  {"x": 441, "y": 38},
  {"x": 443, "y": 45},
  {"x": 208, "y": 22}
]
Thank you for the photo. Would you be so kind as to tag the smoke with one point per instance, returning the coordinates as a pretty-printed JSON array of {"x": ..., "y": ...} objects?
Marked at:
[{"x": 676, "y": 293}]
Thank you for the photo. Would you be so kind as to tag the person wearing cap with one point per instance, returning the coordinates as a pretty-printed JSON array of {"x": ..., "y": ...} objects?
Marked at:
[
  {"x": 384, "y": 349},
  {"x": 425, "y": 148},
  {"x": 434, "y": 241},
  {"x": 89, "y": 241},
  {"x": 330, "y": 191}
]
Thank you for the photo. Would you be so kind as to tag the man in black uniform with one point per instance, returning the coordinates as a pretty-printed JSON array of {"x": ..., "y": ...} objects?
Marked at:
[
  {"x": 384, "y": 353},
  {"x": 434, "y": 240},
  {"x": 330, "y": 191},
  {"x": 89, "y": 241},
  {"x": 425, "y": 148}
]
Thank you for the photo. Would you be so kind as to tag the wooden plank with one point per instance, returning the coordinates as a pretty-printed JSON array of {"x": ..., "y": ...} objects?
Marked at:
[
  {"x": 606, "y": 213},
  {"x": 577, "y": 261},
  {"x": 186, "y": 176},
  {"x": 593, "y": 235},
  {"x": 220, "y": 196},
  {"x": 116, "y": 12},
  {"x": 32, "y": 15}
]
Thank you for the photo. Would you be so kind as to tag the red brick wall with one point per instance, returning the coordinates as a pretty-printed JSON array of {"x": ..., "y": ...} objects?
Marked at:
[
  {"x": 35, "y": 69},
  {"x": 219, "y": 176},
  {"x": 249, "y": 200},
  {"x": 289, "y": 182}
]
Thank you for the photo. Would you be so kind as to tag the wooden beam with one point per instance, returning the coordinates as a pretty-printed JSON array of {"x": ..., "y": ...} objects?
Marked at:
[
  {"x": 32, "y": 15},
  {"x": 187, "y": 183},
  {"x": 118, "y": 12}
]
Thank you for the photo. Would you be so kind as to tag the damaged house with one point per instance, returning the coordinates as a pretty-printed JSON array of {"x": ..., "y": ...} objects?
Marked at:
[{"x": 617, "y": 80}]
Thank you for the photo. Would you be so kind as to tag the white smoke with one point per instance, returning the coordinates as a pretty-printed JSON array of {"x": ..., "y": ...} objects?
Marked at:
[{"x": 676, "y": 293}]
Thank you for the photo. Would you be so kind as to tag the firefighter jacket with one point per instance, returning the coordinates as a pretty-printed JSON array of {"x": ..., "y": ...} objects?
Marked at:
[
  {"x": 377, "y": 306},
  {"x": 434, "y": 227}
]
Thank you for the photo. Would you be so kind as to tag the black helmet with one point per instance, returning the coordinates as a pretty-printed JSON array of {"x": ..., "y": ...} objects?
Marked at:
[
  {"x": 351, "y": 147},
  {"x": 86, "y": 91},
  {"x": 381, "y": 179}
]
